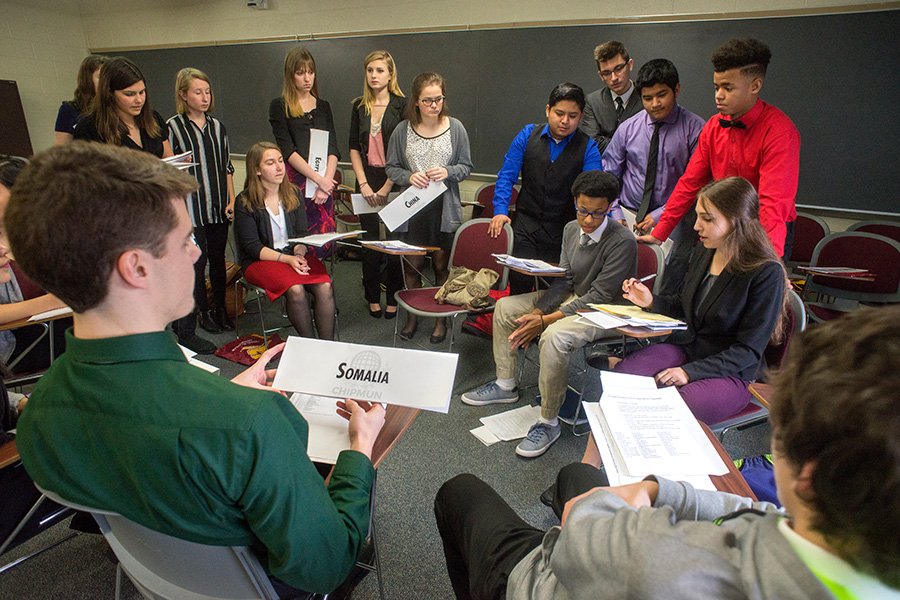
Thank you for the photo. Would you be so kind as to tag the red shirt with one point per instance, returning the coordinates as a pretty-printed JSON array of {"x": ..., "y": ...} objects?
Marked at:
[{"x": 766, "y": 153}]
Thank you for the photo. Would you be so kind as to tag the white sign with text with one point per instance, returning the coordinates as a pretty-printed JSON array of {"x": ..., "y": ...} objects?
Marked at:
[
  {"x": 318, "y": 157},
  {"x": 410, "y": 202}
]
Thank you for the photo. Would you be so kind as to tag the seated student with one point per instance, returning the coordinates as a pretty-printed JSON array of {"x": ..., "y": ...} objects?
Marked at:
[
  {"x": 596, "y": 252},
  {"x": 268, "y": 213},
  {"x": 650, "y": 151},
  {"x": 21, "y": 301},
  {"x": 732, "y": 299},
  {"x": 549, "y": 157},
  {"x": 834, "y": 419},
  {"x": 168, "y": 445}
]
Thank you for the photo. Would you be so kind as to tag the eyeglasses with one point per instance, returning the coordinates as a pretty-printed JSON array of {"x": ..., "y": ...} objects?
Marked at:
[
  {"x": 432, "y": 101},
  {"x": 614, "y": 71},
  {"x": 597, "y": 214}
]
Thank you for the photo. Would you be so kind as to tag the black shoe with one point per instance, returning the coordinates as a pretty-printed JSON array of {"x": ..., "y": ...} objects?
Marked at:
[
  {"x": 207, "y": 323},
  {"x": 408, "y": 334},
  {"x": 548, "y": 495},
  {"x": 437, "y": 339},
  {"x": 598, "y": 360},
  {"x": 375, "y": 314},
  {"x": 220, "y": 316},
  {"x": 197, "y": 344},
  {"x": 390, "y": 314}
]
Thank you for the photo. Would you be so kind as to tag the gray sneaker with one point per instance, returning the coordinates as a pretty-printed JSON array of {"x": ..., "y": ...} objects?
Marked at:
[
  {"x": 540, "y": 437},
  {"x": 490, "y": 393}
]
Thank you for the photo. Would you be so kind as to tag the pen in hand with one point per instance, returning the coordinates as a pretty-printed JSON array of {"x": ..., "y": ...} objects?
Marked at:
[{"x": 647, "y": 278}]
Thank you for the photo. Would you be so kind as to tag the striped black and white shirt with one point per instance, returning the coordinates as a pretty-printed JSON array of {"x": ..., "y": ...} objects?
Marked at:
[{"x": 211, "y": 153}]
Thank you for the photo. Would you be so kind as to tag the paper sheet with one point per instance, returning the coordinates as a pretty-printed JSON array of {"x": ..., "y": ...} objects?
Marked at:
[
  {"x": 65, "y": 310},
  {"x": 409, "y": 203},
  {"x": 512, "y": 424},
  {"x": 603, "y": 320},
  {"x": 392, "y": 245},
  {"x": 328, "y": 431},
  {"x": 362, "y": 207},
  {"x": 317, "y": 158},
  {"x": 320, "y": 239},
  {"x": 484, "y": 435}
]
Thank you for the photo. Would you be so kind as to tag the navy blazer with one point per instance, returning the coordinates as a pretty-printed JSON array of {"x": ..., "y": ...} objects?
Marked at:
[
  {"x": 253, "y": 230},
  {"x": 728, "y": 333}
]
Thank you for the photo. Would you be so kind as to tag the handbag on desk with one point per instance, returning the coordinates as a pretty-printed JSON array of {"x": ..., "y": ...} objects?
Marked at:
[{"x": 465, "y": 287}]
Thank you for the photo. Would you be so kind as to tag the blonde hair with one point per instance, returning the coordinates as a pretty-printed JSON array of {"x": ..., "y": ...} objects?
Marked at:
[
  {"x": 254, "y": 196},
  {"x": 298, "y": 59},
  {"x": 183, "y": 84},
  {"x": 368, "y": 97}
]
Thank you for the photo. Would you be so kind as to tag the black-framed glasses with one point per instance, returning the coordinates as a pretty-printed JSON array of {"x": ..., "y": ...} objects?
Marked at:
[
  {"x": 597, "y": 214},
  {"x": 614, "y": 71},
  {"x": 432, "y": 101}
]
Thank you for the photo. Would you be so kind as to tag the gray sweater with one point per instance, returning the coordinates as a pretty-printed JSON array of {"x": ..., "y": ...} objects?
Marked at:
[
  {"x": 609, "y": 550},
  {"x": 594, "y": 273},
  {"x": 460, "y": 166}
]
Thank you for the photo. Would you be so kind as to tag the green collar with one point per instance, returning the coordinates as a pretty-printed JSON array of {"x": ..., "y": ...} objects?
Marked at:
[{"x": 158, "y": 345}]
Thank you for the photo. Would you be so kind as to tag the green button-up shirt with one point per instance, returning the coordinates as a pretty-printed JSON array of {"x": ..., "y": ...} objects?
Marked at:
[{"x": 126, "y": 424}]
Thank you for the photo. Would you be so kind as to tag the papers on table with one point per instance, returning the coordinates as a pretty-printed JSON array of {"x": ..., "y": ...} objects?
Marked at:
[
  {"x": 318, "y": 158},
  {"x": 507, "y": 426},
  {"x": 181, "y": 161},
  {"x": 641, "y": 430},
  {"x": 633, "y": 316},
  {"x": 532, "y": 265},
  {"x": 395, "y": 245},
  {"x": 842, "y": 271},
  {"x": 190, "y": 356},
  {"x": 362, "y": 207},
  {"x": 410, "y": 202},
  {"x": 320, "y": 239},
  {"x": 328, "y": 431},
  {"x": 413, "y": 378},
  {"x": 65, "y": 310}
]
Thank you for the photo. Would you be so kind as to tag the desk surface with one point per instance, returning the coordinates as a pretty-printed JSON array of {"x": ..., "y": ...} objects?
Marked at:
[
  {"x": 396, "y": 421},
  {"x": 532, "y": 273},
  {"x": 9, "y": 454},
  {"x": 762, "y": 392},
  {"x": 733, "y": 482},
  {"x": 395, "y": 252},
  {"x": 642, "y": 333},
  {"x": 25, "y": 322}
]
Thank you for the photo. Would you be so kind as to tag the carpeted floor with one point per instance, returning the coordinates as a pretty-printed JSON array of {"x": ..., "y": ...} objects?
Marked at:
[{"x": 436, "y": 448}]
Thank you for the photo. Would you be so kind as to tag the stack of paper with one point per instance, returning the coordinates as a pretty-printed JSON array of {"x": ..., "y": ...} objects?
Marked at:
[
  {"x": 641, "y": 430},
  {"x": 181, "y": 161},
  {"x": 507, "y": 426},
  {"x": 635, "y": 316},
  {"x": 320, "y": 239},
  {"x": 532, "y": 265},
  {"x": 842, "y": 271},
  {"x": 395, "y": 245},
  {"x": 328, "y": 431}
]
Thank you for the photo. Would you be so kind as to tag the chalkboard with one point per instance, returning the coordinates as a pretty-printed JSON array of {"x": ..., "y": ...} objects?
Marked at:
[{"x": 829, "y": 73}]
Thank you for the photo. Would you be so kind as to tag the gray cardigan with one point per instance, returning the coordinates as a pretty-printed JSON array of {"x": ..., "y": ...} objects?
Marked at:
[
  {"x": 460, "y": 166},
  {"x": 608, "y": 549}
]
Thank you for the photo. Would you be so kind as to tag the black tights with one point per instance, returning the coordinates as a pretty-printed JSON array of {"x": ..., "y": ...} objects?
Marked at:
[
  {"x": 298, "y": 309},
  {"x": 440, "y": 262}
]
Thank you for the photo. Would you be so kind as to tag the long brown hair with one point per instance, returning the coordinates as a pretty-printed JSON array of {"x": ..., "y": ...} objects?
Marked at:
[
  {"x": 419, "y": 83},
  {"x": 254, "y": 196},
  {"x": 747, "y": 246},
  {"x": 116, "y": 75},
  {"x": 84, "y": 86},
  {"x": 298, "y": 59},
  {"x": 368, "y": 97}
]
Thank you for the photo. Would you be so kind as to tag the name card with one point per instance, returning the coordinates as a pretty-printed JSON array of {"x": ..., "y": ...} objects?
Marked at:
[
  {"x": 413, "y": 378},
  {"x": 362, "y": 207},
  {"x": 318, "y": 157},
  {"x": 410, "y": 202}
]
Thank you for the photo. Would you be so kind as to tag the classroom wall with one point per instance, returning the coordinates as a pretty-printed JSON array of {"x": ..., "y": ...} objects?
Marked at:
[{"x": 41, "y": 49}]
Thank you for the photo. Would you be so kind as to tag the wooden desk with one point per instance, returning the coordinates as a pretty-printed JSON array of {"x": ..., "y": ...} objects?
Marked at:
[
  {"x": 9, "y": 454},
  {"x": 762, "y": 392},
  {"x": 46, "y": 323},
  {"x": 733, "y": 482},
  {"x": 396, "y": 421},
  {"x": 403, "y": 254},
  {"x": 642, "y": 333}
]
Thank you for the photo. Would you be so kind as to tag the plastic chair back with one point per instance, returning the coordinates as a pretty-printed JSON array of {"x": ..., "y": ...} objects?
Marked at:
[
  {"x": 878, "y": 254},
  {"x": 651, "y": 260},
  {"x": 887, "y": 229},
  {"x": 809, "y": 230},
  {"x": 473, "y": 247}
]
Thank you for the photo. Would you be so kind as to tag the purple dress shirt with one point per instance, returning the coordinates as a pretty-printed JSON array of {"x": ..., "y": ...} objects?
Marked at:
[{"x": 626, "y": 157}]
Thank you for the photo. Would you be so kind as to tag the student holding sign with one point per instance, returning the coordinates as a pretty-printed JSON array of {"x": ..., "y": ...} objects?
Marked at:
[
  {"x": 430, "y": 145},
  {"x": 293, "y": 116}
]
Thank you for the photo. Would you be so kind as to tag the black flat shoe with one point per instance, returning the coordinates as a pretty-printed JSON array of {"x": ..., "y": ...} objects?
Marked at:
[
  {"x": 408, "y": 335},
  {"x": 437, "y": 339},
  {"x": 375, "y": 314},
  {"x": 207, "y": 322},
  {"x": 390, "y": 314},
  {"x": 225, "y": 323}
]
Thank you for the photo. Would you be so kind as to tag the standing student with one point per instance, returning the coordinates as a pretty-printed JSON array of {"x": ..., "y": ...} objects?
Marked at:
[
  {"x": 269, "y": 213},
  {"x": 430, "y": 145},
  {"x": 373, "y": 119},
  {"x": 549, "y": 158},
  {"x": 292, "y": 115},
  {"x": 612, "y": 104},
  {"x": 122, "y": 114},
  {"x": 732, "y": 299},
  {"x": 748, "y": 138},
  {"x": 72, "y": 110},
  {"x": 212, "y": 206}
]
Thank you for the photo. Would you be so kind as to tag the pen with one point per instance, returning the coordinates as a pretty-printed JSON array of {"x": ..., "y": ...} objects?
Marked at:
[{"x": 647, "y": 278}]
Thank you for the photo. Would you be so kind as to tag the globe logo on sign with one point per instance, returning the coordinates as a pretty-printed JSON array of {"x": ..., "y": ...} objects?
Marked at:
[
  {"x": 367, "y": 360},
  {"x": 363, "y": 370}
]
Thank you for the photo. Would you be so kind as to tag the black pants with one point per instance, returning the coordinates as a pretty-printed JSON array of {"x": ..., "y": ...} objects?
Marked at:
[
  {"x": 373, "y": 262},
  {"x": 484, "y": 539},
  {"x": 533, "y": 239},
  {"x": 211, "y": 239}
]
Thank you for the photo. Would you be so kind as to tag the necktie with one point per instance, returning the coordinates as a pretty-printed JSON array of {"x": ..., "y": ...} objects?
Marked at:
[
  {"x": 726, "y": 123},
  {"x": 585, "y": 240},
  {"x": 620, "y": 108},
  {"x": 650, "y": 177}
]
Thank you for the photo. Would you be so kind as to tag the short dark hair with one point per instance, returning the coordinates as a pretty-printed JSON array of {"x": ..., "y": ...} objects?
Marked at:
[
  {"x": 76, "y": 208},
  {"x": 657, "y": 71},
  {"x": 749, "y": 55},
  {"x": 10, "y": 167},
  {"x": 596, "y": 184},
  {"x": 609, "y": 50},
  {"x": 835, "y": 406},
  {"x": 567, "y": 91}
]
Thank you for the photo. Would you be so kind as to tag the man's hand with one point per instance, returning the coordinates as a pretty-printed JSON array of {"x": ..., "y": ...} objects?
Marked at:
[
  {"x": 648, "y": 239},
  {"x": 366, "y": 420},
  {"x": 645, "y": 226},
  {"x": 530, "y": 326},
  {"x": 257, "y": 376},
  {"x": 674, "y": 376},
  {"x": 419, "y": 180},
  {"x": 496, "y": 225},
  {"x": 638, "y": 495},
  {"x": 623, "y": 222},
  {"x": 568, "y": 507}
]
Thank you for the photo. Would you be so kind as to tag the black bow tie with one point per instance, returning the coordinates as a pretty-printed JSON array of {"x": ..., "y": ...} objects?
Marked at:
[{"x": 727, "y": 123}]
